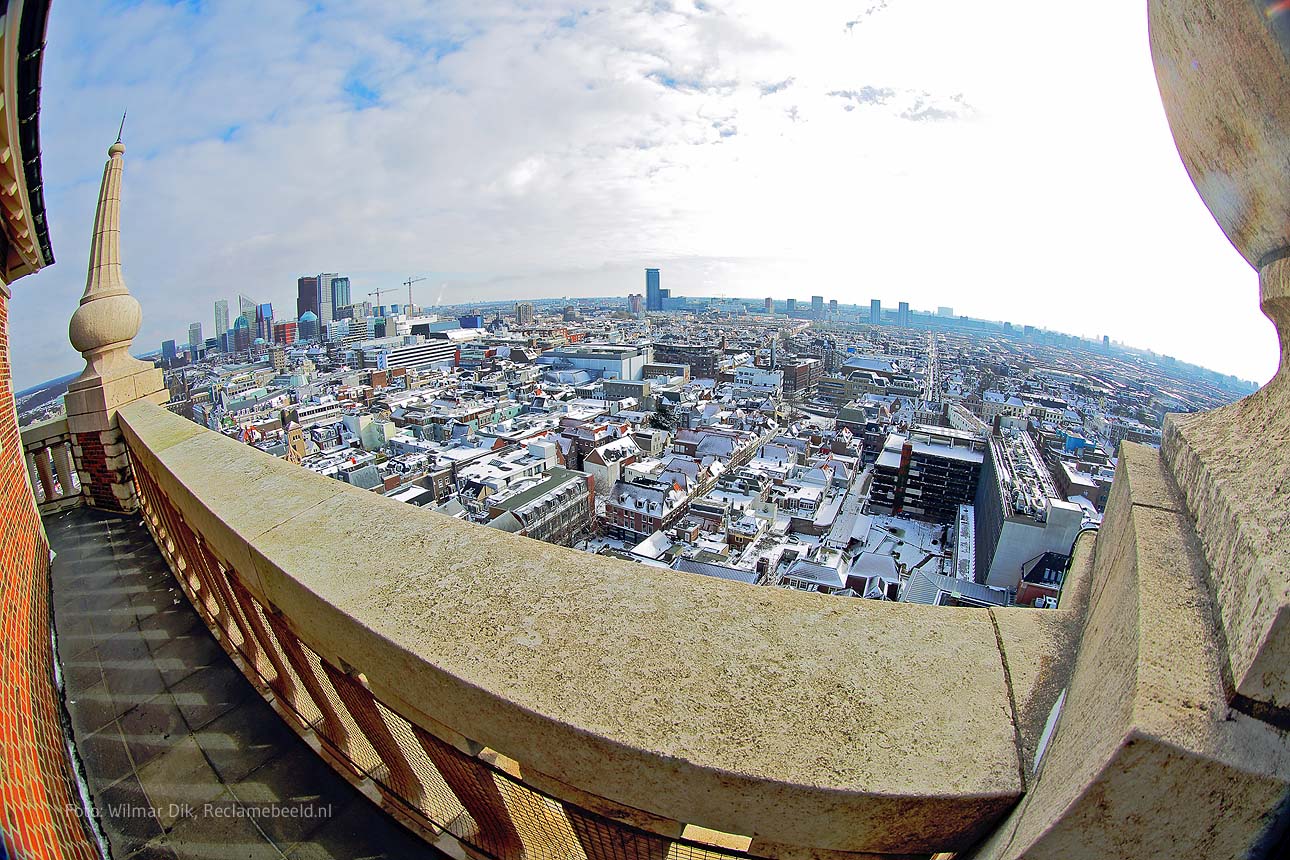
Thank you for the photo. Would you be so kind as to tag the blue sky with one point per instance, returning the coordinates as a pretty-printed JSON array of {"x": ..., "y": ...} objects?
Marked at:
[{"x": 1008, "y": 159}]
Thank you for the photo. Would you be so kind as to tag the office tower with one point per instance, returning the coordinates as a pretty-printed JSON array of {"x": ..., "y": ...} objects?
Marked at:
[
  {"x": 770, "y": 305},
  {"x": 306, "y": 296},
  {"x": 195, "y": 339},
  {"x": 221, "y": 316},
  {"x": 790, "y": 307},
  {"x": 655, "y": 297},
  {"x": 817, "y": 307},
  {"x": 524, "y": 313},
  {"x": 902, "y": 314},
  {"x": 241, "y": 335},
  {"x": 264, "y": 322},
  {"x": 635, "y": 303},
  {"x": 246, "y": 308},
  {"x": 307, "y": 328},
  {"x": 340, "y": 293},
  {"x": 326, "y": 306},
  {"x": 943, "y": 311},
  {"x": 833, "y": 307},
  {"x": 168, "y": 351},
  {"x": 875, "y": 311}
]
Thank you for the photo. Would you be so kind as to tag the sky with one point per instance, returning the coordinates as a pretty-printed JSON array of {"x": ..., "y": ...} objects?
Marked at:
[{"x": 1009, "y": 159}]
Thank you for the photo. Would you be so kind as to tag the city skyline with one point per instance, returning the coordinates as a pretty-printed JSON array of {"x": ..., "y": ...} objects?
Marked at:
[
  {"x": 873, "y": 311},
  {"x": 263, "y": 322},
  {"x": 819, "y": 152}
]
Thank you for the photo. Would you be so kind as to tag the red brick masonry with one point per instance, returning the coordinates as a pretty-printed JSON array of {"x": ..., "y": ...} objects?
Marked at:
[{"x": 39, "y": 804}]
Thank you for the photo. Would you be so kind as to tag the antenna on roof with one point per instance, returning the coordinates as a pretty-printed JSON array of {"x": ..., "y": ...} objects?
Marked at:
[{"x": 121, "y": 130}]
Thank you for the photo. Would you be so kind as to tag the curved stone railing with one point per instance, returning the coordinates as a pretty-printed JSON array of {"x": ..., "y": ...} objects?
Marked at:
[
  {"x": 532, "y": 700},
  {"x": 47, "y": 448}
]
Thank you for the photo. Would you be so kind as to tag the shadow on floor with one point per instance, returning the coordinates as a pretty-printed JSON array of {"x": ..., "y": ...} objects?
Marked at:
[{"x": 182, "y": 756}]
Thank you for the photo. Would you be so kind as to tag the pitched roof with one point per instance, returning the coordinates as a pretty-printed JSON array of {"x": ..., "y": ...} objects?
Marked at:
[{"x": 720, "y": 571}]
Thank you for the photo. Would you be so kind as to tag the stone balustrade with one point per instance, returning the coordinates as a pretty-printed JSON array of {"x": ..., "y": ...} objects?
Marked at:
[
  {"x": 527, "y": 700},
  {"x": 532, "y": 700},
  {"x": 48, "y": 450}
]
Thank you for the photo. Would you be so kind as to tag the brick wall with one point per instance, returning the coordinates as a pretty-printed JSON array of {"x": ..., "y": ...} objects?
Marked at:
[
  {"x": 38, "y": 801},
  {"x": 96, "y": 478}
]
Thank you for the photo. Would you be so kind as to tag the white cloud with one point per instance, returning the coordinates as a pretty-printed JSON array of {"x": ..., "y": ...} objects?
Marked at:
[{"x": 542, "y": 148}]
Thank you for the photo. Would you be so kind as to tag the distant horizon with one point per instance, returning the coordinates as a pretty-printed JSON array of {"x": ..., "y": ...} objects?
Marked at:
[{"x": 1018, "y": 327}]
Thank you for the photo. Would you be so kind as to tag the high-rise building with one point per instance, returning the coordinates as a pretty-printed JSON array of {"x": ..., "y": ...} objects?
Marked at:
[
  {"x": 307, "y": 329},
  {"x": 246, "y": 308},
  {"x": 241, "y": 335},
  {"x": 221, "y": 317},
  {"x": 195, "y": 340},
  {"x": 264, "y": 322},
  {"x": 943, "y": 311},
  {"x": 817, "y": 307},
  {"x": 524, "y": 313},
  {"x": 902, "y": 314},
  {"x": 168, "y": 351},
  {"x": 326, "y": 307},
  {"x": 655, "y": 297},
  {"x": 306, "y": 296},
  {"x": 833, "y": 307},
  {"x": 875, "y": 311},
  {"x": 340, "y": 293},
  {"x": 770, "y": 305},
  {"x": 635, "y": 303},
  {"x": 790, "y": 307}
]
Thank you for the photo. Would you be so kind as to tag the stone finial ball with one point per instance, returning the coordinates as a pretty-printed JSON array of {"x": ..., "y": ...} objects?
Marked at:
[
  {"x": 104, "y": 321},
  {"x": 1223, "y": 67}
]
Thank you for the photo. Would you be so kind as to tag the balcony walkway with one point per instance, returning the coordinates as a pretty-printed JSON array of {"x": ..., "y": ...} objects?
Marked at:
[{"x": 162, "y": 718}]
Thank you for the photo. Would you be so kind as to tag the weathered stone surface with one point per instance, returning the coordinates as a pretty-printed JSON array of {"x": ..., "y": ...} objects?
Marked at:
[
  {"x": 788, "y": 717},
  {"x": 1223, "y": 80},
  {"x": 1147, "y": 759},
  {"x": 39, "y": 435},
  {"x": 1039, "y": 648},
  {"x": 1233, "y": 467}
]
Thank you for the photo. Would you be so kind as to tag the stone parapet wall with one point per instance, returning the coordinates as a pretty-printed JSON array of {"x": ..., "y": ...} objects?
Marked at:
[
  {"x": 655, "y": 703},
  {"x": 1148, "y": 759}
]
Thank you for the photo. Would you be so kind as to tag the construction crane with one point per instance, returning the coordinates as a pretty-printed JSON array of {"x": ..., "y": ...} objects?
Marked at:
[
  {"x": 377, "y": 293},
  {"x": 408, "y": 283}
]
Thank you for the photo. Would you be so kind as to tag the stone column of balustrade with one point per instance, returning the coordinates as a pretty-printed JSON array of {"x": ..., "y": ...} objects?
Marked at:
[
  {"x": 33, "y": 475},
  {"x": 62, "y": 457},
  {"x": 44, "y": 475}
]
